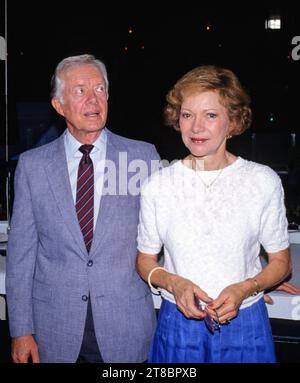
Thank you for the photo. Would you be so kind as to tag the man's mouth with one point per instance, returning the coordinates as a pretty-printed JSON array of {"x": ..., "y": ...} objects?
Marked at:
[{"x": 92, "y": 114}]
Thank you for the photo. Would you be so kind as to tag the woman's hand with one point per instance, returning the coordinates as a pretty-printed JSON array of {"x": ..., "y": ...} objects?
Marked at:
[
  {"x": 227, "y": 304},
  {"x": 187, "y": 295}
]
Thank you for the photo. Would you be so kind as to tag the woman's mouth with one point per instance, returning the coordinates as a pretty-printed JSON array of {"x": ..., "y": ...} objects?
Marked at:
[{"x": 199, "y": 140}]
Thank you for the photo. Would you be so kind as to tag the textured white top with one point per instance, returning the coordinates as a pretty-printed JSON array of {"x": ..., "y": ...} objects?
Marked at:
[{"x": 212, "y": 236}]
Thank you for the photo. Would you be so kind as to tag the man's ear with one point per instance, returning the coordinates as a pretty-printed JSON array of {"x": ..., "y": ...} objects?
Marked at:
[{"x": 57, "y": 106}]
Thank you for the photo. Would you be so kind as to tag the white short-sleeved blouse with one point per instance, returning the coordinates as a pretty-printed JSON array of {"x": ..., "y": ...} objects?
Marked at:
[{"x": 212, "y": 235}]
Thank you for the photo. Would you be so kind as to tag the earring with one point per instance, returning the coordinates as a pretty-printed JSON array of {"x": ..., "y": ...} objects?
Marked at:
[{"x": 228, "y": 137}]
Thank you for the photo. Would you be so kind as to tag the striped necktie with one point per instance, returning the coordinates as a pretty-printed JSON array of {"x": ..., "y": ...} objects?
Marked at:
[{"x": 85, "y": 195}]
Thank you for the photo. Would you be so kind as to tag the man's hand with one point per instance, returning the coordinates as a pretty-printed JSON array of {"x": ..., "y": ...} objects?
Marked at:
[
  {"x": 289, "y": 288},
  {"x": 286, "y": 287},
  {"x": 22, "y": 347}
]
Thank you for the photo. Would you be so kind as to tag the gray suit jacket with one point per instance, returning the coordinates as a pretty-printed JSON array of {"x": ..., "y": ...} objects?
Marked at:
[{"x": 48, "y": 276}]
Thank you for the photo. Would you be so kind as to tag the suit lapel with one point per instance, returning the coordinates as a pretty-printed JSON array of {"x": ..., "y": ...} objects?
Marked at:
[
  {"x": 57, "y": 173},
  {"x": 108, "y": 203}
]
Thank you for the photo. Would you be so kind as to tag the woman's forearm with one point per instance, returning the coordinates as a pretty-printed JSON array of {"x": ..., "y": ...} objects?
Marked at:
[
  {"x": 145, "y": 263},
  {"x": 278, "y": 268}
]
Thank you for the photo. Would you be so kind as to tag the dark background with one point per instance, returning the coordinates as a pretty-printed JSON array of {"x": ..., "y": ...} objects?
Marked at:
[{"x": 167, "y": 40}]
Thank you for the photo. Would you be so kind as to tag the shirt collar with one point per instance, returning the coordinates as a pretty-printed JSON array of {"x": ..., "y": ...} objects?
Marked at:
[{"x": 72, "y": 145}]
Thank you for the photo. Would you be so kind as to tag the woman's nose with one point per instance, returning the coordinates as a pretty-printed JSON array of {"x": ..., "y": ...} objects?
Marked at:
[{"x": 198, "y": 126}]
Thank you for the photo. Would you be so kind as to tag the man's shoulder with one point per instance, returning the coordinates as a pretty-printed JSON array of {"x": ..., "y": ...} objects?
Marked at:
[
  {"x": 42, "y": 151},
  {"x": 129, "y": 143}
]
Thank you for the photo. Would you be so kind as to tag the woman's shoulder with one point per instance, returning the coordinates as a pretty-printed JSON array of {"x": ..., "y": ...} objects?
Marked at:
[
  {"x": 260, "y": 173},
  {"x": 162, "y": 178}
]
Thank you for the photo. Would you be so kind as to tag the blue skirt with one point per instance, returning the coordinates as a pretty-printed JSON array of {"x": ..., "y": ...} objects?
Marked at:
[{"x": 246, "y": 339}]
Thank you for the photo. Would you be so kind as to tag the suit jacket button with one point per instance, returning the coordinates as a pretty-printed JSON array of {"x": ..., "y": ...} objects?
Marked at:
[
  {"x": 84, "y": 298},
  {"x": 90, "y": 263}
]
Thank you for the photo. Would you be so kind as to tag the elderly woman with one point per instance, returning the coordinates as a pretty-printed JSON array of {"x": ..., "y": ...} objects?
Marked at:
[{"x": 211, "y": 212}]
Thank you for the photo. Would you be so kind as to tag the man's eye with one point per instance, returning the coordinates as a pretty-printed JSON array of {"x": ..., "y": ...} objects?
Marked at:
[
  {"x": 79, "y": 91},
  {"x": 100, "y": 89}
]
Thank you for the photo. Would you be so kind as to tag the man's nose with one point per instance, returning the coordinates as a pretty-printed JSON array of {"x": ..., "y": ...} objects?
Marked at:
[{"x": 91, "y": 96}]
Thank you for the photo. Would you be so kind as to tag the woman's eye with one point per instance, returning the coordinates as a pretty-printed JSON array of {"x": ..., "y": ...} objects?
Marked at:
[
  {"x": 185, "y": 115},
  {"x": 212, "y": 115}
]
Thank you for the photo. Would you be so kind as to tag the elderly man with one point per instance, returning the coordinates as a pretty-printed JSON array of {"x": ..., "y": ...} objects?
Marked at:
[{"x": 72, "y": 290}]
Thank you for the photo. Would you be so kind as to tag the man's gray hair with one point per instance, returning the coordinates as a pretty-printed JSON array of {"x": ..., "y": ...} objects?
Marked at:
[{"x": 57, "y": 83}]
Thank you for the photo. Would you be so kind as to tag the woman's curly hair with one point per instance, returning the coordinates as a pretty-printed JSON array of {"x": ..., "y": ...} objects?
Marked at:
[{"x": 208, "y": 77}]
